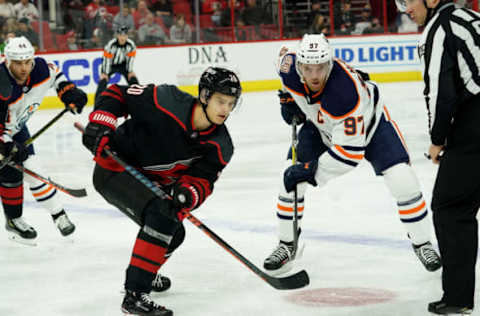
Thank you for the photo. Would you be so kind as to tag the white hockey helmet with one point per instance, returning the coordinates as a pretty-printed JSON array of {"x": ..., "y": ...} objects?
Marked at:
[
  {"x": 314, "y": 49},
  {"x": 19, "y": 48}
]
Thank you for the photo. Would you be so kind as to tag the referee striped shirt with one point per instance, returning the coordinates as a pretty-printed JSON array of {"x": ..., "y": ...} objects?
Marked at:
[
  {"x": 115, "y": 54},
  {"x": 449, "y": 50}
]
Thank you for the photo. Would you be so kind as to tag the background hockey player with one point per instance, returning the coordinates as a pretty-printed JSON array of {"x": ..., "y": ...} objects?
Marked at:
[
  {"x": 344, "y": 120},
  {"x": 449, "y": 51},
  {"x": 24, "y": 81},
  {"x": 176, "y": 140},
  {"x": 118, "y": 57}
]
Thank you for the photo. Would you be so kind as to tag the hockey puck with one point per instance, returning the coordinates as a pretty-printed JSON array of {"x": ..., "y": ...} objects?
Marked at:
[{"x": 341, "y": 297}]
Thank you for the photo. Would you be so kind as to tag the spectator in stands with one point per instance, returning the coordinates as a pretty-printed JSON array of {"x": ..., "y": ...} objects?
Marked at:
[
  {"x": 374, "y": 28},
  {"x": 315, "y": 10},
  {"x": 217, "y": 14},
  {"x": 253, "y": 14},
  {"x": 24, "y": 29},
  {"x": 225, "y": 19},
  {"x": 364, "y": 22},
  {"x": 140, "y": 13},
  {"x": 124, "y": 18},
  {"x": 208, "y": 6},
  {"x": 73, "y": 16},
  {"x": 91, "y": 17},
  {"x": 343, "y": 30},
  {"x": 319, "y": 25},
  {"x": 25, "y": 9},
  {"x": 240, "y": 31},
  {"x": 180, "y": 32},
  {"x": 151, "y": 33},
  {"x": 345, "y": 16},
  {"x": 72, "y": 41},
  {"x": 95, "y": 41},
  {"x": 7, "y": 10},
  {"x": 163, "y": 9}
]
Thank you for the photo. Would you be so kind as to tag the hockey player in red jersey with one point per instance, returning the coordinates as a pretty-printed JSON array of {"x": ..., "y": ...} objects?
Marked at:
[
  {"x": 24, "y": 81},
  {"x": 344, "y": 120},
  {"x": 180, "y": 143}
]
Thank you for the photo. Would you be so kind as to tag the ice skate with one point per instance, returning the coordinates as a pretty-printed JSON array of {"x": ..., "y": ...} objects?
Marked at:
[
  {"x": 63, "y": 223},
  {"x": 161, "y": 283},
  {"x": 280, "y": 260},
  {"x": 441, "y": 308},
  {"x": 428, "y": 256},
  {"x": 137, "y": 303},
  {"x": 19, "y": 231}
]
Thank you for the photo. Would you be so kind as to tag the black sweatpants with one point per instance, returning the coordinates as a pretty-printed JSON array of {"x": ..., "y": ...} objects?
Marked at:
[
  {"x": 455, "y": 203},
  {"x": 121, "y": 69}
]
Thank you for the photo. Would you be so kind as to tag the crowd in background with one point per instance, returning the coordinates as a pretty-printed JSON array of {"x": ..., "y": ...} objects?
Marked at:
[{"x": 88, "y": 24}]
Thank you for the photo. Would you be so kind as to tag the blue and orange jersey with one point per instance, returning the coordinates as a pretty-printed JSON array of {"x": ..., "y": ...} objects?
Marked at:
[
  {"x": 24, "y": 100},
  {"x": 346, "y": 111}
]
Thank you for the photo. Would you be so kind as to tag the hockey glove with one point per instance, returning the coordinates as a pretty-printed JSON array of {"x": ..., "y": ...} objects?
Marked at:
[
  {"x": 73, "y": 98},
  {"x": 290, "y": 109},
  {"x": 18, "y": 152},
  {"x": 185, "y": 197},
  {"x": 301, "y": 172},
  {"x": 99, "y": 131}
]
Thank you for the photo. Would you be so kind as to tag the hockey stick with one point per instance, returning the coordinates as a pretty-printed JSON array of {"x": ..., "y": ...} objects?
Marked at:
[
  {"x": 72, "y": 192},
  {"x": 295, "y": 281},
  {"x": 6, "y": 160},
  {"x": 45, "y": 127},
  {"x": 295, "y": 191}
]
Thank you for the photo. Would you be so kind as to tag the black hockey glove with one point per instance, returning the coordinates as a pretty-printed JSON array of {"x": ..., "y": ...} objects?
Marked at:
[
  {"x": 18, "y": 152},
  {"x": 73, "y": 98},
  {"x": 98, "y": 132},
  {"x": 290, "y": 109},
  {"x": 185, "y": 196},
  {"x": 301, "y": 172}
]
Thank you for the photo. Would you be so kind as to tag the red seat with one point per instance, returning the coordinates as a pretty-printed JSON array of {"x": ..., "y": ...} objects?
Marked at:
[
  {"x": 184, "y": 8},
  {"x": 48, "y": 43},
  {"x": 206, "y": 20}
]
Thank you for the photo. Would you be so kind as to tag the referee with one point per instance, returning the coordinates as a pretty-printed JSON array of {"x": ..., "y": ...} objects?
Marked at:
[
  {"x": 449, "y": 50},
  {"x": 118, "y": 57}
]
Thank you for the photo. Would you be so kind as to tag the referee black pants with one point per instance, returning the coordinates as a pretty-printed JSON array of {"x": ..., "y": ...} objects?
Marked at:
[{"x": 455, "y": 203}]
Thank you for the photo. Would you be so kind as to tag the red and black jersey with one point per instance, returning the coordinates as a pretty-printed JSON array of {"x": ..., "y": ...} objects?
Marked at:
[{"x": 158, "y": 136}]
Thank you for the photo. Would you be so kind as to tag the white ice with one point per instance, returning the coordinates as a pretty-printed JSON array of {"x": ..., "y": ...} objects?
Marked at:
[{"x": 352, "y": 233}]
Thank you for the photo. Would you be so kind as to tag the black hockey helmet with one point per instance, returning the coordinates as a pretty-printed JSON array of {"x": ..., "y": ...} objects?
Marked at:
[
  {"x": 122, "y": 29},
  {"x": 216, "y": 79}
]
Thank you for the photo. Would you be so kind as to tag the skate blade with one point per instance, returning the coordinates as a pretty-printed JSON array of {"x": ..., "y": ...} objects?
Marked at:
[
  {"x": 15, "y": 238},
  {"x": 289, "y": 265}
]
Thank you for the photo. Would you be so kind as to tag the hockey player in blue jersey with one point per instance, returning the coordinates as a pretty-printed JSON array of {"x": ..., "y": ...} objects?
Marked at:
[
  {"x": 24, "y": 81},
  {"x": 344, "y": 121}
]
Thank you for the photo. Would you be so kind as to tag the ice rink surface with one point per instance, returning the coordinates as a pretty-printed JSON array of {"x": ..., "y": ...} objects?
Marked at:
[{"x": 357, "y": 255}]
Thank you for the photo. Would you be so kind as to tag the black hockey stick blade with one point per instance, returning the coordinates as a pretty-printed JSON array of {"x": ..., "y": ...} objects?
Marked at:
[{"x": 291, "y": 282}]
